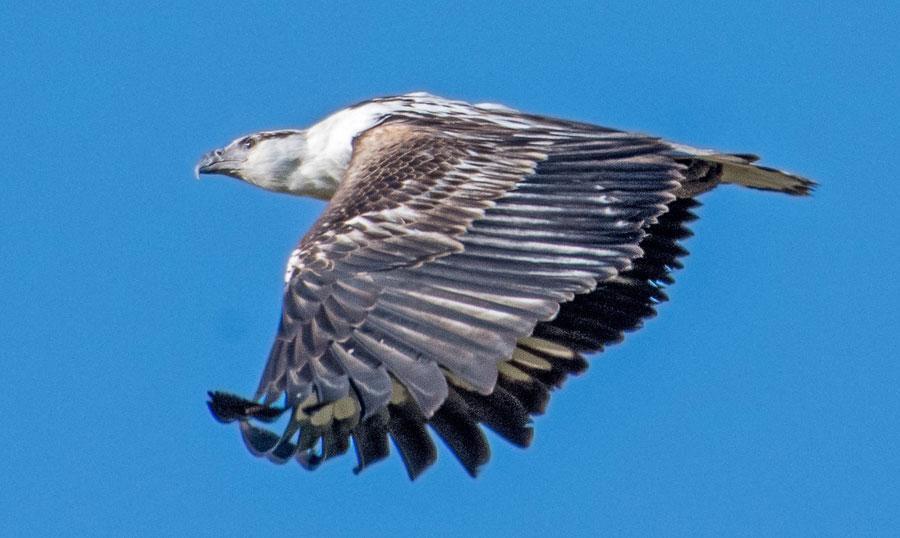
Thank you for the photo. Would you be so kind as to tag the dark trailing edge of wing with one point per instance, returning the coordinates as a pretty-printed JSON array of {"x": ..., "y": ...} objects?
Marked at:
[{"x": 594, "y": 320}]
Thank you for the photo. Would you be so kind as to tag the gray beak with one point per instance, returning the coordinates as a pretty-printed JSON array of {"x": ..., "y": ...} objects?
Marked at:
[{"x": 211, "y": 163}]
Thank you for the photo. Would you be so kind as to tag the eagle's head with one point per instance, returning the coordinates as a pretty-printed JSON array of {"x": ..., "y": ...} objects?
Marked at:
[
  {"x": 273, "y": 160},
  {"x": 309, "y": 162}
]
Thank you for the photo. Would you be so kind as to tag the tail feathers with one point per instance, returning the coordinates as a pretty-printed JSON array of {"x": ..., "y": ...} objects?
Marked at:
[{"x": 740, "y": 170}]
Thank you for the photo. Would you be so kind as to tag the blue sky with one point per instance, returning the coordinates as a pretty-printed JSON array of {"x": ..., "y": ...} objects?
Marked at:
[{"x": 763, "y": 398}]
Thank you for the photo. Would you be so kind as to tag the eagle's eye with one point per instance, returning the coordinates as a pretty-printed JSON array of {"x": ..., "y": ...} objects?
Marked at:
[{"x": 248, "y": 143}]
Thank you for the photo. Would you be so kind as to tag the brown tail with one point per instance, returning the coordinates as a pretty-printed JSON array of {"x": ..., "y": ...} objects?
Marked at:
[{"x": 740, "y": 170}]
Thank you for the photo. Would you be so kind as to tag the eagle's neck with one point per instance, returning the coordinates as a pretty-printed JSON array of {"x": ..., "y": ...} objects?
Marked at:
[{"x": 329, "y": 147}]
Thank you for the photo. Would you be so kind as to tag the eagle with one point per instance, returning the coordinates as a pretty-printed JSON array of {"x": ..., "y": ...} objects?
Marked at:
[{"x": 469, "y": 258}]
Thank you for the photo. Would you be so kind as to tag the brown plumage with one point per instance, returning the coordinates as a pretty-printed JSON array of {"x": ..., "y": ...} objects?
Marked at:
[{"x": 468, "y": 260}]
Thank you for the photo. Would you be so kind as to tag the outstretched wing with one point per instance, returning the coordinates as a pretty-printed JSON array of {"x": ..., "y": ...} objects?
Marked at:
[{"x": 445, "y": 245}]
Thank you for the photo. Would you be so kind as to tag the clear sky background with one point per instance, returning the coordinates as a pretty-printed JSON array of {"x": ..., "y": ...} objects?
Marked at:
[{"x": 763, "y": 399}]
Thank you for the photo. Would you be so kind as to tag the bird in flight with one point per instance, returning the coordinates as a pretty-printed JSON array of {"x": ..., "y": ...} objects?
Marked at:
[{"x": 468, "y": 259}]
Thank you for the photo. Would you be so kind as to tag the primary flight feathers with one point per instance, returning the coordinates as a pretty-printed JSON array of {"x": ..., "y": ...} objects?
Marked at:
[{"x": 469, "y": 256}]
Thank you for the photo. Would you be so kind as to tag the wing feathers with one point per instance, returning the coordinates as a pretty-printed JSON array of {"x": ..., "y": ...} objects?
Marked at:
[
  {"x": 407, "y": 428},
  {"x": 440, "y": 348},
  {"x": 503, "y": 413},
  {"x": 456, "y": 425},
  {"x": 368, "y": 376},
  {"x": 421, "y": 377},
  {"x": 370, "y": 439}
]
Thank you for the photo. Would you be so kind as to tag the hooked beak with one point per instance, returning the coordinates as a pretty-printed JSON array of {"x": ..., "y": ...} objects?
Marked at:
[{"x": 214, "y": 162}]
